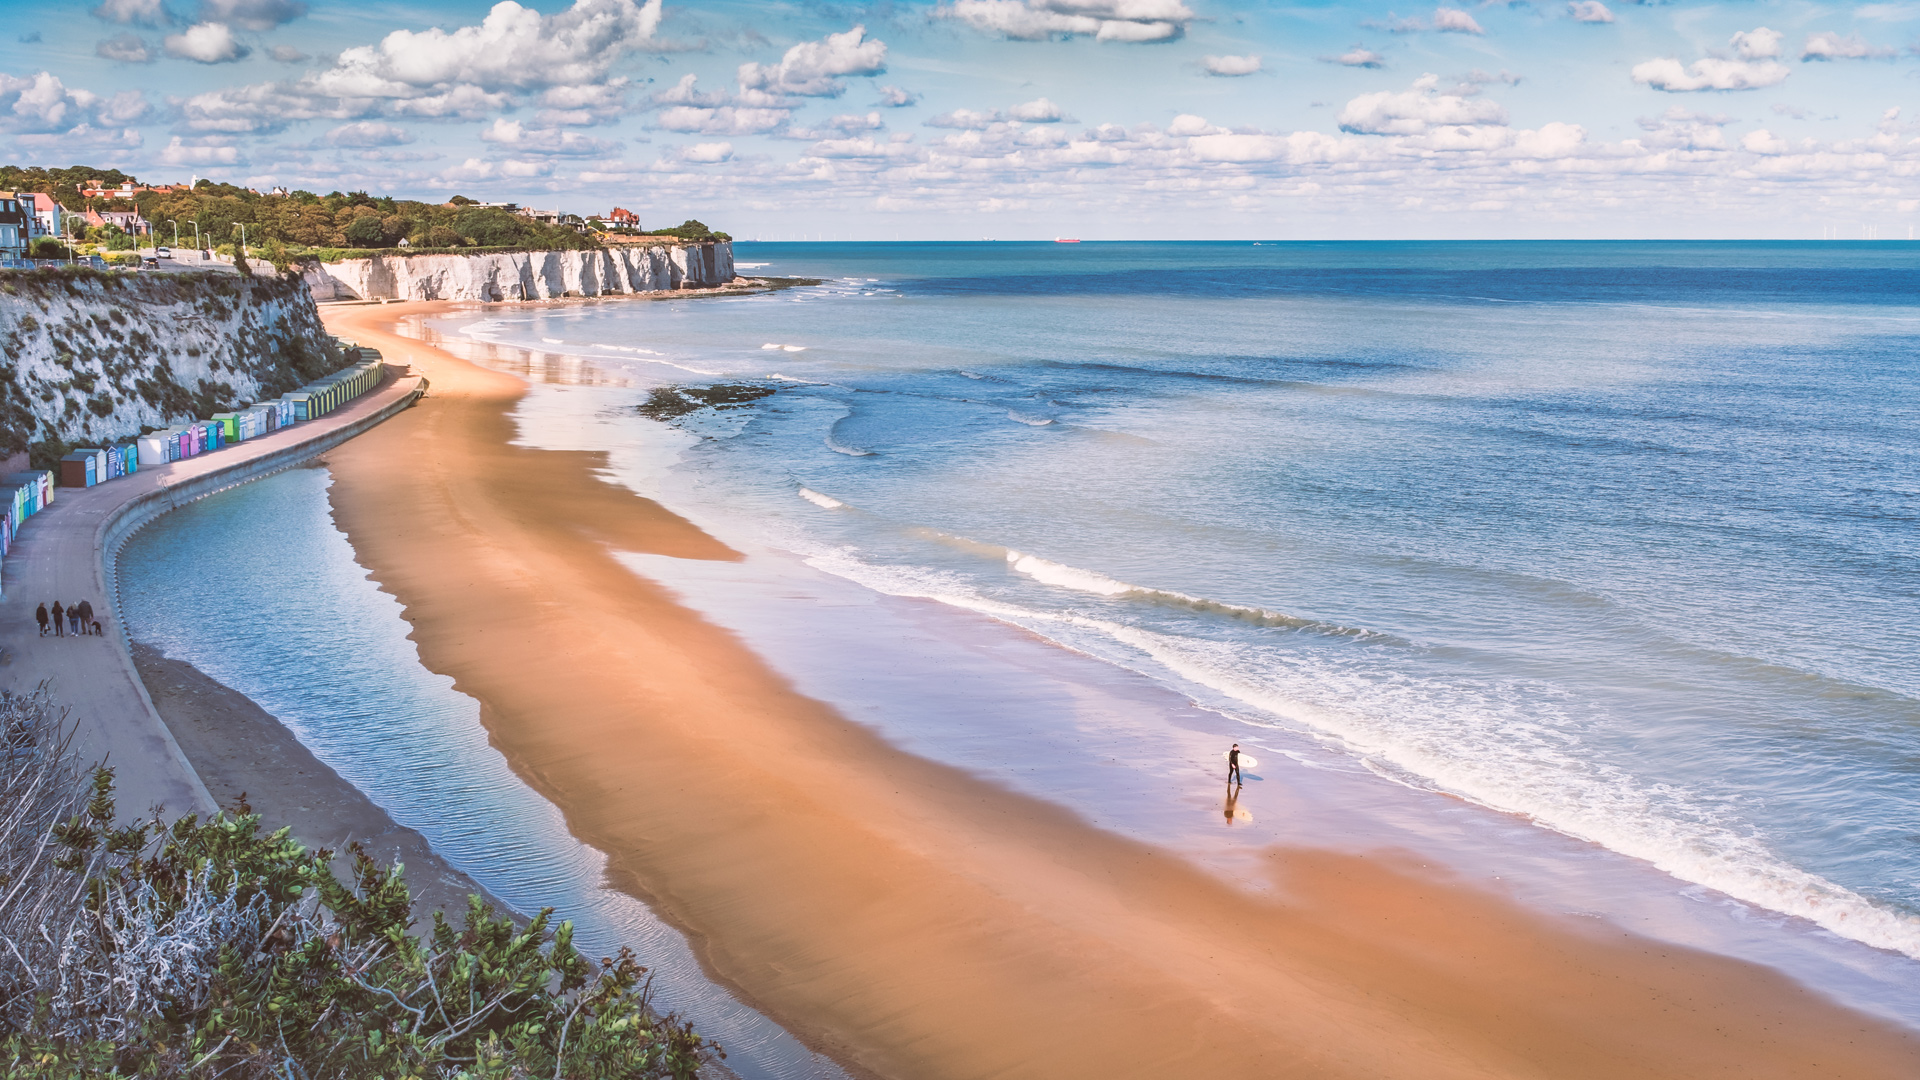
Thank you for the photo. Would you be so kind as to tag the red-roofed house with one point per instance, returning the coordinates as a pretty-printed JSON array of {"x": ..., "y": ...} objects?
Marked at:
[{"x": 622, "y": 218}]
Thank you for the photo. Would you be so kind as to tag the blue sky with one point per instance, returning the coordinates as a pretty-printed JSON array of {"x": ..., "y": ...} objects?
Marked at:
[{"x": 1013, "y": 118}]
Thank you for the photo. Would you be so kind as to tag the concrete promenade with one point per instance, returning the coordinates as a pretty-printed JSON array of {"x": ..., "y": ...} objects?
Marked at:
[{"x": 67, "y": 552}]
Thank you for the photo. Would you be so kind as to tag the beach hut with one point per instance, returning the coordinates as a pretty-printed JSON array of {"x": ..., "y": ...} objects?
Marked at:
[
  {"x": 229, "y": 425},
  {"x": 298, "y": 403},
  {"x": 77, "y": 469},
  {"x": 213, "y": 435},
  {"x": 40, "y": 482},
  {"x": 152, "y": 448},
  {"x": 99, "y": 465}
]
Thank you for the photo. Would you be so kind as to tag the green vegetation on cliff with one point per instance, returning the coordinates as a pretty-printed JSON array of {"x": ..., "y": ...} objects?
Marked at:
[
  {"x": 305, "y": 222},
  {"x": 204, "y": 949}
]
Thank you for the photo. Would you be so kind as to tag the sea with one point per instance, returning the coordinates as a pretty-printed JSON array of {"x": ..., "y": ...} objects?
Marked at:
[{"x": 1588, "y": 573}]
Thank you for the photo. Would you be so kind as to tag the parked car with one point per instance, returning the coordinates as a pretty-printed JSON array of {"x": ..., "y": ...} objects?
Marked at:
[
  {"x": 152, "y": 264},
  {"x": 96, "y": 262},
  {"x": 163, "y": 253}
]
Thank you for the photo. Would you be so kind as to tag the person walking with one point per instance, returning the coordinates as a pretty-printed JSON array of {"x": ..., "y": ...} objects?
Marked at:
[
  {"x": 85, "y": 609},
  {"x": 73, "y": 619},
  {"x": 59, "y": 620},
  {"x": 1233, "y": 764},
  {"x": 40, "y": 616}
]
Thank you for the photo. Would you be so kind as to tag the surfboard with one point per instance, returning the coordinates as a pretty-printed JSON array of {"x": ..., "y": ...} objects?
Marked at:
[{"x": 1246, "y": 760}]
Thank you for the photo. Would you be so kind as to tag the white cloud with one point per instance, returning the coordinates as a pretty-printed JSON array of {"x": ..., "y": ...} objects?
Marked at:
[
  {"x": 1454, "y": 21},
  {"x": 513, "y": 48},
  {"x": 125, "y": 49},
  {"x": 1589, "y": 11},
  {"x": 1710, "y": 73},
  {"x": 892, "y": 97},
  {"x": 856, "y": 122},
  {"x": 1186, "y": 125},
  {"x": 252, "y": 14},
  {"x": 1416, "y": 110},
  {"x": 1103, "y": 20},
  {"x": 707, "y": 153},
  {"x": 1754, "y": 69},
  {"x": 897, "y": 149},
  {"x": 1038, "y": 111},
  {"x": 687, "y": 92},
  {"x": 123, "y": 108},
  {"x": 42, "y": 104},
  {"x": 1681, "y": 129},
  {"x": 472, "y": 72},
  {"x": 546, "y": 141},
  {"x": 1230, "y": 66},
  {"x": 368, "y": 134},
  {"x": 190, "y": 152},
  {"x": 968, "y": 119},
  {"x": 206, "y": 43},
  {"x": 578, "y": 106},
  {"x": 1831, "y": 46},
  {"x": 139, "y": 12},
  {"x": 1762, "y": 141},
  {"x": 287, "y": 54},
  {"x": 1358, "y": 57},
  {"x": 814, "y": 68},
  {"x": 726, "y": 120},
  {"x": 1757, "y": 44}
]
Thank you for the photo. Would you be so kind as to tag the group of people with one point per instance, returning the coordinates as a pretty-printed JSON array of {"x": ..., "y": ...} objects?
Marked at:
[{"x": 75, "y": 618}]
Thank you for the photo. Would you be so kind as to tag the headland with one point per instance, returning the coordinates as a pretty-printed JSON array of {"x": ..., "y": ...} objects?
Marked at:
[{"x": 913, "y": 920}]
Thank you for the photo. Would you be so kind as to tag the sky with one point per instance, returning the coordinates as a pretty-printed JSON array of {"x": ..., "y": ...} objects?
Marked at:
[{"x": 1013, "y": 119}]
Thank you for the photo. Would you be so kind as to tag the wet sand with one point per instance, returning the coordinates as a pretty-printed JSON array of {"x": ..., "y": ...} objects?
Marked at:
[{"x": 914, "y": 921}]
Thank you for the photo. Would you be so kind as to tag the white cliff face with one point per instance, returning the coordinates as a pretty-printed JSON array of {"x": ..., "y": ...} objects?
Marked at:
[
  {"x": 91, "y": 358},
  {"x": 522, "y": 275}
]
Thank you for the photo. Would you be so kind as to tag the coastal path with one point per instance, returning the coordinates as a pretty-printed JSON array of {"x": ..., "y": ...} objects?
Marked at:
[{"x": 67, "y": 552}]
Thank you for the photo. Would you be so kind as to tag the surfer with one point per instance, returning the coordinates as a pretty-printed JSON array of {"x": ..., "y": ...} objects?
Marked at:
[{"x": 1233, "y": 764}]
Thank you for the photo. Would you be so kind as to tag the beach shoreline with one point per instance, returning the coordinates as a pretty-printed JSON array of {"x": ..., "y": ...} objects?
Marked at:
[{"x": 912, "y": 920}]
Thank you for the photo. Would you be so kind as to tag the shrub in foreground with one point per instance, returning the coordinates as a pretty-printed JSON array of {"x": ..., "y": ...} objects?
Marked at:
[{"x": 205, "y": 948}]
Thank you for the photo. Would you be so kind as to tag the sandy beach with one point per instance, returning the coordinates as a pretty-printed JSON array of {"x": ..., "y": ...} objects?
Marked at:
[{"x": 912, "y": 920}]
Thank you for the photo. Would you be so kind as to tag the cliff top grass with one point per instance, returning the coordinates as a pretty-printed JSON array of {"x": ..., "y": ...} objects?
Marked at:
[{"x": 304, "y": 221}]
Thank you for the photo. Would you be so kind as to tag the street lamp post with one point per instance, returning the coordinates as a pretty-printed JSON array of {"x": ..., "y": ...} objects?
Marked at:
[
  {"x": 243, "y": 239},
  {"x": 176, "y": 231},
  {"x": 198, "y": 251}
]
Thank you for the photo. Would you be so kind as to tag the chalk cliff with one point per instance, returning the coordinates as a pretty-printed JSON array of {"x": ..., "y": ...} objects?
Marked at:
[
  {"x": 91, "y": 357},
  {"x": 522, "y": 275}
]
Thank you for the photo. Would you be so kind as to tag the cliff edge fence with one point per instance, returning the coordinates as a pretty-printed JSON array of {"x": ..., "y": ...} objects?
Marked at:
[
  {"x": 89, "y": 358},
  {"x": 523, "y": 275}
]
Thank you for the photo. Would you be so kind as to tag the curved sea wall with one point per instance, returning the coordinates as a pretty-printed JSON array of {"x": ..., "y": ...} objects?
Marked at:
[{"x": 523, "y": 275}]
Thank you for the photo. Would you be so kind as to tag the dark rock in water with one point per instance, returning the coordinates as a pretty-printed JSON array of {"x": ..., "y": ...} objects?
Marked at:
[{"x": 668, "y": 402}]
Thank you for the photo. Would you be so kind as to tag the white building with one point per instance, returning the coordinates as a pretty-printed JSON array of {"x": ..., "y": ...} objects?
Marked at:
[{"x": 49, "y": 217}]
